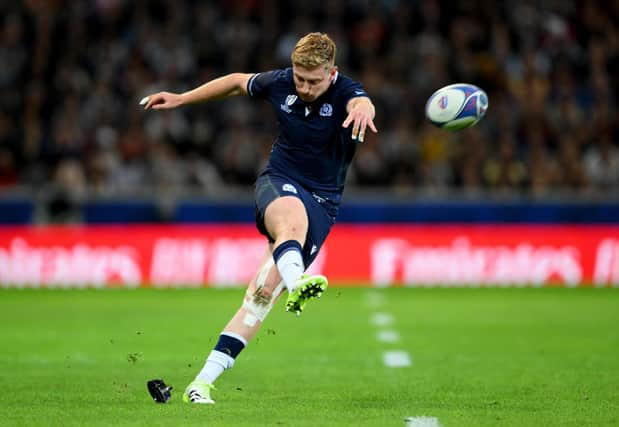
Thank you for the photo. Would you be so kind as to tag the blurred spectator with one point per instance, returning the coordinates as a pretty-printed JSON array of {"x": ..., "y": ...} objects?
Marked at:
[
  {"x": 601, "y": 163},
  {"x": 73, "y": 71},
  {"x": 504, "y": 170},
  {"x": 8, "y": 170},
  {"x": 469, "y": 162},
  {"x": 68, "y": 189},
  {"x": 570, "y": 163}
]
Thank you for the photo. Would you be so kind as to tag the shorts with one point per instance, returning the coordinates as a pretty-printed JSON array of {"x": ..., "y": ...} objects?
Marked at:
[{"x": 321, "y": 210}]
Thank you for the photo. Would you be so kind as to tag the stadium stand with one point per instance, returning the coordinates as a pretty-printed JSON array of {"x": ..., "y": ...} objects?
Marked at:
[{"x": 73, "y": 73}]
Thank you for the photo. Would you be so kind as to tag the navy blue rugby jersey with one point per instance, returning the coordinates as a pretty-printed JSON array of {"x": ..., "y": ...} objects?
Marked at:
[{"x": 312, "y": 147}]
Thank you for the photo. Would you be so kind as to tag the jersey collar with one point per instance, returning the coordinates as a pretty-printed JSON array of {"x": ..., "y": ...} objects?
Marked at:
[{"x": 337, "y": 73}]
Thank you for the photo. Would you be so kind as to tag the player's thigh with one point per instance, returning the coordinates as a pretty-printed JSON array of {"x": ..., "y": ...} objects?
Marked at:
[
  {"x": 286, "y": 216},
  {"x": 280, "y": 208}
]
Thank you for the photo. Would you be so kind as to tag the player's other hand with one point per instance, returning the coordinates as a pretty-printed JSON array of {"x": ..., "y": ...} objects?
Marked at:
[
  {"x": 161, "y": 101},
  {"x": 361, "y": 115}
]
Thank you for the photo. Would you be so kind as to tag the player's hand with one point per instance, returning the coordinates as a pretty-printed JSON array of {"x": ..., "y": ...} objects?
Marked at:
[
  {"x": 361, "y": 115},
  {"x": 161, "y": 101}
]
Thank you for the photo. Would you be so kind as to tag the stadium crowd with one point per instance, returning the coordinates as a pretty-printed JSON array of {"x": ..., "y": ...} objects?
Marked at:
[{"x": 73, "y": 72}]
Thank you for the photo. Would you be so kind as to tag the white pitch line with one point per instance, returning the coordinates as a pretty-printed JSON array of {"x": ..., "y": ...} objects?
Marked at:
[
  {"x": 388, "y": 335},
  {"x": 396, "y": 359},
  {"x": 422, "y": 422},
  {"x": 374, "y": 299},
  {"x": 392, "y": 358},
  {"x": 381, "y": 319}
]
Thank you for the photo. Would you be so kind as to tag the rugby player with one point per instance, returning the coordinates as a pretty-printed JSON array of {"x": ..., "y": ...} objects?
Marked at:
[{"x": 298, "y": 194}]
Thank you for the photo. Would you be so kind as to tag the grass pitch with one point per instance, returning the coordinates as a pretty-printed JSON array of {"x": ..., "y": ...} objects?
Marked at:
[{"x": 480, "y": 357}]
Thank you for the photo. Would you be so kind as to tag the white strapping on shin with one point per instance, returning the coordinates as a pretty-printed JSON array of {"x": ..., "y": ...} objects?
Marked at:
[
  {"x": 257, "y": 311},
  {"x": 249, "y": 319},
  {"x": 264, "y": 272}
]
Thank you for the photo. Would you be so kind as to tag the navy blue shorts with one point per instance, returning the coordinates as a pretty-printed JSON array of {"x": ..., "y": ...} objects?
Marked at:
[{"x": 321, "y": 210}]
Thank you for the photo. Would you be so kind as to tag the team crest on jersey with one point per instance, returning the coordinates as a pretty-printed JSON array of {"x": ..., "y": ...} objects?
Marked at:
[
  {"x": 290, "y": 99},
  {"x": 326, "y": 110},
  {"x": 289, "y": 188}
]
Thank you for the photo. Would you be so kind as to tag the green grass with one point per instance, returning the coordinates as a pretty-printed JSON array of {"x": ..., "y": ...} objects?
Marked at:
[{"x": 481, "y": 357}]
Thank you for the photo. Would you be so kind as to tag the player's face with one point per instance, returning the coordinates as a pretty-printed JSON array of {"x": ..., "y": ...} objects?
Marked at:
[{"x": 311, "y": 83}]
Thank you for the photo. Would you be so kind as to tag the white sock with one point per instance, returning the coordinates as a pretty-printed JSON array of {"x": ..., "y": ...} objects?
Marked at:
[
  {"x": 216, "y": 363},
  {"x": 290, "y": 266}
]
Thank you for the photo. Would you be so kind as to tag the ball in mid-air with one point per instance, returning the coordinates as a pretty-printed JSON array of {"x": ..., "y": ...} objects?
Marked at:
[{"x": 457, "y": 106}]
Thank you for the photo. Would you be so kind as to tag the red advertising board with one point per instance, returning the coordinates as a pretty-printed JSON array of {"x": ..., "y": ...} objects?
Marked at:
[{"x": 374, "y": 255}]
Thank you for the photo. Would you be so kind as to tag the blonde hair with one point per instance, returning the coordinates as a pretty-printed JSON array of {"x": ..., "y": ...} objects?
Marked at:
[{"x": 313, "y": 50}]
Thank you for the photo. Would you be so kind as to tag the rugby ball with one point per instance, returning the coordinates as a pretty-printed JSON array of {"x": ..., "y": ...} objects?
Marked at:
[{"x": 457, "y": 106}]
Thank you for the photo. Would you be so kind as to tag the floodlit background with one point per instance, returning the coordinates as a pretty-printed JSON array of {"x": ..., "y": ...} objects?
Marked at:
[{"x": 73, "y": 72}]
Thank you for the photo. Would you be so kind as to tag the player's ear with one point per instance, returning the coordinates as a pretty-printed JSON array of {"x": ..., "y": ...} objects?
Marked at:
[{"x": 332, "y": 73}]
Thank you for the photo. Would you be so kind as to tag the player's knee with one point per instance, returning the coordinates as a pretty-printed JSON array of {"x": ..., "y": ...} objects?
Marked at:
[
  {"x": 263, "y": 295},
  {"x": 291, "y": 233},
  {"x": 286, "y": 219},
  {"x": 258, "y": 304},
  {"x": 291, "y": 229}
]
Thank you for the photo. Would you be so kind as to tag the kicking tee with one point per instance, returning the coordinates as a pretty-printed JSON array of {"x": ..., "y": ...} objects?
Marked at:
[{"x": 312, "y": 147}]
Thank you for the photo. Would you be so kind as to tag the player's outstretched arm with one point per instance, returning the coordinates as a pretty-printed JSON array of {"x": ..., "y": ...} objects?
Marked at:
[
  {"x": 361, "y": 114},
  {"x": 223, "y": 87}
]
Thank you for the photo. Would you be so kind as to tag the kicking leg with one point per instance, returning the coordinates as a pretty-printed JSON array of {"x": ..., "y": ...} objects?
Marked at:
[{"x": 287, "y": 222}]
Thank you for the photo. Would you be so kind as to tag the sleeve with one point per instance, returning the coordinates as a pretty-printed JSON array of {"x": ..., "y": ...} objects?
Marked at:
[
  {"x": 260, "y": 84},
  {"x": 351, "y": 89}
]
